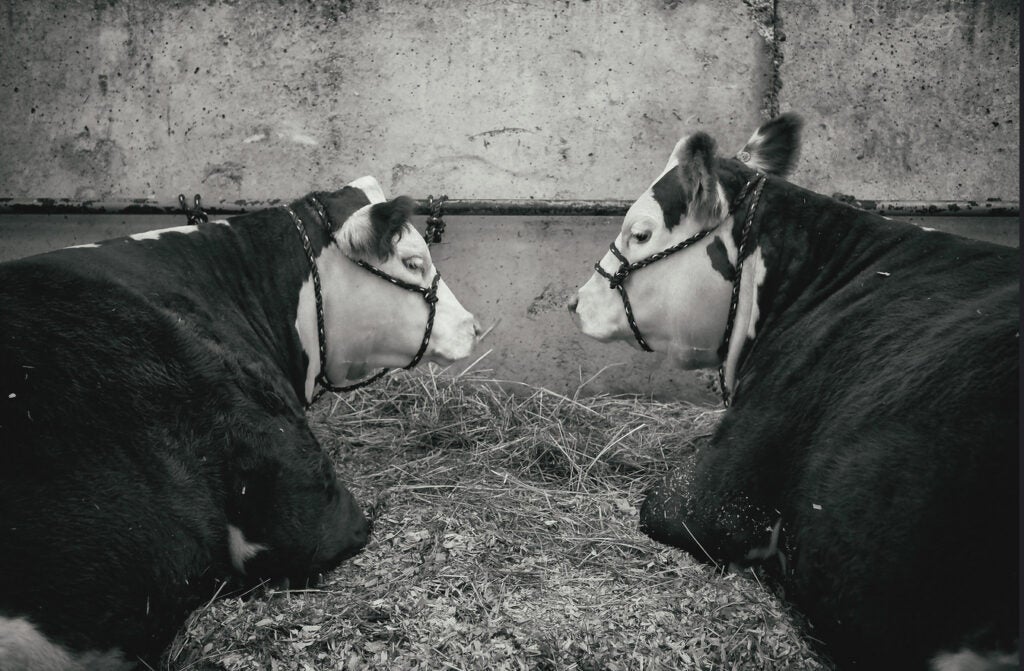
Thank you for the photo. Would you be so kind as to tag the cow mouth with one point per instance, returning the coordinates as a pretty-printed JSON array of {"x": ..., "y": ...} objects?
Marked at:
[
  {"x": 314, "y": 576},
  {"x": 311, "y": 579}
]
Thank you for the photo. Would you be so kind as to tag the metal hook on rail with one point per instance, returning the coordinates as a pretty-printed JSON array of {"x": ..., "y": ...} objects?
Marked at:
[{"x": 195, "y": 214}]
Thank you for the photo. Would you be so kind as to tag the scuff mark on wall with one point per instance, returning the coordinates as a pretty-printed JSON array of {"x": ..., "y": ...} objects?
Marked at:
[
  {"x": 399, "y": 171},
  {"x": 769, "y": 26},
  {"x": 101, "y": 159},
  {"x": 224, "y": 175}
]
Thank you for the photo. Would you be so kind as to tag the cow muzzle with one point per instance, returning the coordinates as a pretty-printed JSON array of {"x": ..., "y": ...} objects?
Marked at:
[
  {"x": 597, "y": 312},
  {"x": 455, "y": 331}
]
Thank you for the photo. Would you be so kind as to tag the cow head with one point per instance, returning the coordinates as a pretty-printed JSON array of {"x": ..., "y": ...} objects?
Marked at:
[
  {"x": 288, "y": 515},
  {"x": 680, "y": 303},
  {"x": 370, "y": 321}
]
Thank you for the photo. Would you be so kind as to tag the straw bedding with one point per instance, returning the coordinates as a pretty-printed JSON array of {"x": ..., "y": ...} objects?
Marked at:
[{"x": 505, "y": 537}]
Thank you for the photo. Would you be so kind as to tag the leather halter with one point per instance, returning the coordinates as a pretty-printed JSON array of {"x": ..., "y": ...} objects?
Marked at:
[
  {"x": 617, "y": 279},
  {"x": 429, "y": 295}
]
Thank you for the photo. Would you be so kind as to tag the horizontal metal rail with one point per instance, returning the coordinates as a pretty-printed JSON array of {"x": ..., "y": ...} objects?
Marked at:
[{"x": 492, "y": 206}]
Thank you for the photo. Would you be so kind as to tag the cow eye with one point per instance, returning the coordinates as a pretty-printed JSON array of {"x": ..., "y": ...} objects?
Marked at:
[
  {"x": 642, "y": 236},
  {"x": 414, "y": 263}
]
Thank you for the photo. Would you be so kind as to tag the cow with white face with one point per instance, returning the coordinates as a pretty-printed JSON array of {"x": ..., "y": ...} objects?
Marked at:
[
  {"x": 684, "y": 209},
  {"x": 868, "y": 458},
  {"x": 153, "y": 441},
  {"x": 393, "y": 308}
]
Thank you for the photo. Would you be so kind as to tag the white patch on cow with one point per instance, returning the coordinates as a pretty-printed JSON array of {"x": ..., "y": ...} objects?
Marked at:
[
  {"x": 22, "y": 646},
  {"x": 927, "y": 229},
  {"x": 723, "y": 200},
  {"x": 88, "y": 245},
  {"x": 155, "y": 234},
  {"x": 371, "y": 187},
  {"x": 747, "y": 311},
  {"x": 241, "y": 550},
  {"x": 773, "y": 544},
  {"x": 305, "y": 325},
  {"x": 755, "y": 266},
  {"x": 673, "y": 160},
  {"x": 969, "y": 660},
  {"x": 220, "y": 222}
]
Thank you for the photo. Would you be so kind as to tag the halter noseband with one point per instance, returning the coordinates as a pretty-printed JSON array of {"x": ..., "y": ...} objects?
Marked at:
[
  {"x": 429, "y": 295},
  {"x": 617, "y": 279}
]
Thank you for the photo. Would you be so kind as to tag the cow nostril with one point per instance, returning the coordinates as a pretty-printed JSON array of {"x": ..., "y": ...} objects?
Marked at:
[
  {"x": 574, "y": 303},
  {"x": 477, "y": 329}
]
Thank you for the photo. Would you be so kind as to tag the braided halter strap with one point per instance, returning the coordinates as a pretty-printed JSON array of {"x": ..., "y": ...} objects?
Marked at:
[
  {"x": 758, "y": 186},
  {"x": 429, "y": 295},
  {"x": 617, "y": 279}
]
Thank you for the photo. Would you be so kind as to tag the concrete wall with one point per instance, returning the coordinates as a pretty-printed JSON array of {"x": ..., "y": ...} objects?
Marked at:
[
  {"x": 123, "y": 99},
  {"x": 250, "y": 101}
]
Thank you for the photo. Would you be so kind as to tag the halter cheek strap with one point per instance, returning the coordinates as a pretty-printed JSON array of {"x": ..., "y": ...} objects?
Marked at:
[
  {"x": 617, "y": 281},
  {"x": 429, "y": 295}
]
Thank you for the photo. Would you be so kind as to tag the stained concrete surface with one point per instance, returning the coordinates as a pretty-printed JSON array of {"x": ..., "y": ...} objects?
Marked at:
[
  {"x": 117, "y": 100},
  {"x": 909, "y": 100},
  {"x": 516, "y": 274},
  {"x": 250, "y": 100}
]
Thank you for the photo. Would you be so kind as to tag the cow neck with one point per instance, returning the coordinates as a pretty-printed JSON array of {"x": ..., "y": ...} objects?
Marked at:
[
  {"x": 728, "y": 351},
  {"x": 429, "y": 295}
]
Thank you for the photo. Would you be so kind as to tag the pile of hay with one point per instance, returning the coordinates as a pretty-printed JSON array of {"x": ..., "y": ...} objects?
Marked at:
[{"x": 505, "y": 537}]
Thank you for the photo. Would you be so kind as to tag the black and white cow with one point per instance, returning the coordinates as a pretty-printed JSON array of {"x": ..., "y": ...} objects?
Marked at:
[
  {"x": 153, "y": 441},
  {"x": 869, "y": 458}
]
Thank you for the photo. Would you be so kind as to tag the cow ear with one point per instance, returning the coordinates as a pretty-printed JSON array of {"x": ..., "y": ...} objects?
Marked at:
[
  {"x": 705, "y": 202},
  {"x": 775, "y": 146},
  {"x": 387, "y": 220}
]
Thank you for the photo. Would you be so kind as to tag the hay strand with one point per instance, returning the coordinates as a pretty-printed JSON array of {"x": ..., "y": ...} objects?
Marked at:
[{"x": 505, "y": 537}]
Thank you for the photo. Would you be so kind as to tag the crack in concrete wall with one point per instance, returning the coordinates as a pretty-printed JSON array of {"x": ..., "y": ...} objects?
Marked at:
[{"x": 765, "y": 15}]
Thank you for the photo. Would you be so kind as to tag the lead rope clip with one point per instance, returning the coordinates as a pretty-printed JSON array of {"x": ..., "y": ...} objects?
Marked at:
[
  {"x": 195, "y": 214},
  {"x": 435, "y": 221}
]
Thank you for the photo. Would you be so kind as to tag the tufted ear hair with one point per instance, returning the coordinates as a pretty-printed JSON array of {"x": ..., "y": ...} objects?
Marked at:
[
  {"x": 696, "y": 157},
  {"x": 775, "y": 146},
  {"x": 371, "y": 232},
  {"x": 387, "y": 220}
]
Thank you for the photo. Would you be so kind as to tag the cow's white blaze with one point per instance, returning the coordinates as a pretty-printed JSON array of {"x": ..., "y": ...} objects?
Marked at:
[
  {"x": 240, "y": 549},
  {"x": 371, "y": 323},
  {"x": 747, "y": 311}
]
